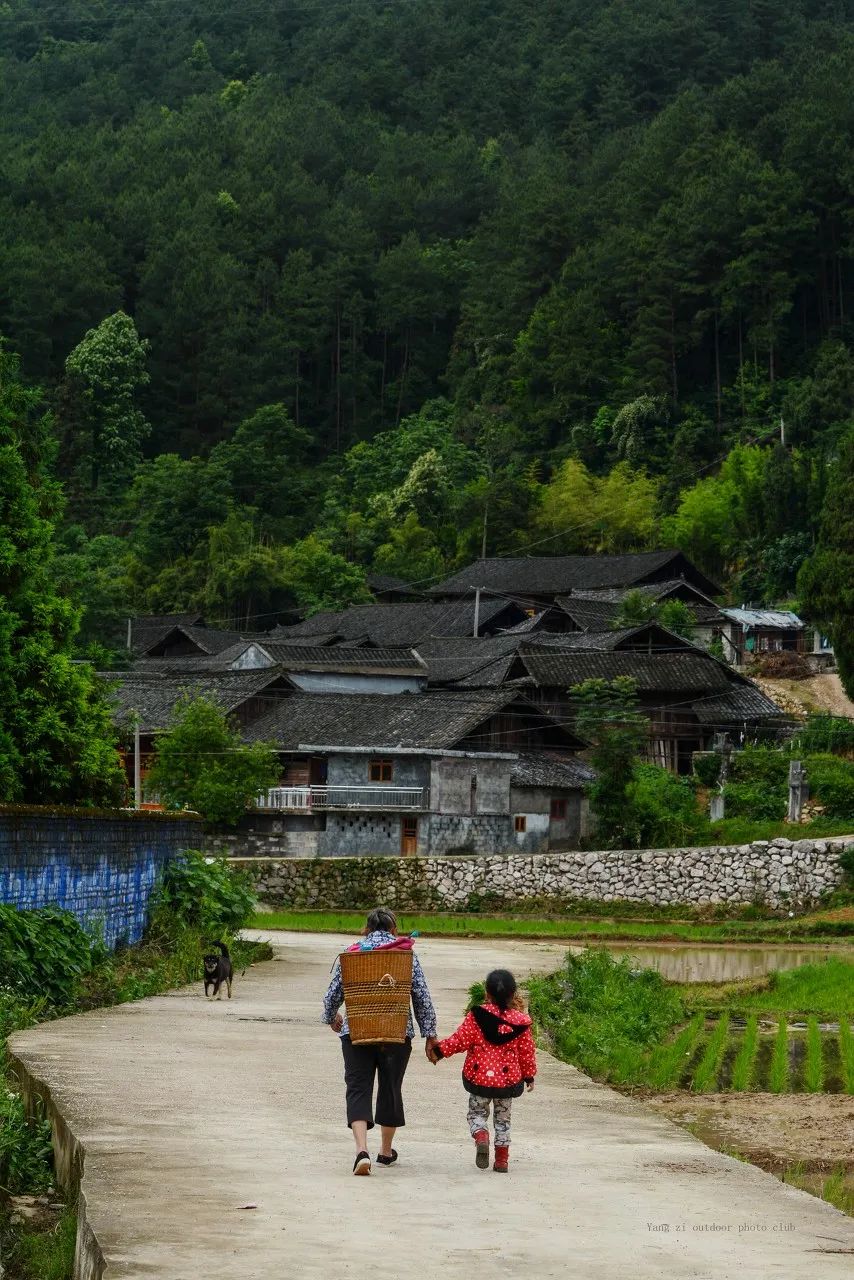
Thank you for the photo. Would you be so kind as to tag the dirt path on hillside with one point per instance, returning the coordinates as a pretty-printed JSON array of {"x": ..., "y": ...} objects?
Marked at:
[{"x": 800, "y": 697}]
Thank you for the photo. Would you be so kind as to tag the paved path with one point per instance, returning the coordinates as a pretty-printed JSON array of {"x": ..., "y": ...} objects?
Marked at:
[{"x": 188, "y": 1110}]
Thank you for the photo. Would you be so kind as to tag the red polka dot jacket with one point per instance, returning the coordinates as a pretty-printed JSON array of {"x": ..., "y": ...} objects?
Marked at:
[{"x": 499, "y": 1048}]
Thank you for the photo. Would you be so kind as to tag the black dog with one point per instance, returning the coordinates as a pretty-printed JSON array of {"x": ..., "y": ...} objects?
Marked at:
[{"x": 218, "y": 970}]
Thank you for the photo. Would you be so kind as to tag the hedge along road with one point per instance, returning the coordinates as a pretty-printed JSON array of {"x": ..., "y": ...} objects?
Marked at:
[{"x": 189, "y": 1111}]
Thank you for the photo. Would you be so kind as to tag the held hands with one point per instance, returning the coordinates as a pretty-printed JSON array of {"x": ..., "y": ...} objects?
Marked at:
[{"x": 429, "y": 1049}]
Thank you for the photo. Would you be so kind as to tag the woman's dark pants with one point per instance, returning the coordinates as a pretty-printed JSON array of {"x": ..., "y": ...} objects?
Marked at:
[{"x": 364, "y": 1062}]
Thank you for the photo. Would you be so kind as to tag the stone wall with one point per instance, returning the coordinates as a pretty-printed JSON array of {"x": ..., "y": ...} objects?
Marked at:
[
  {"x": 101, "y": 865},
  {"x": 775, "y": 874}
]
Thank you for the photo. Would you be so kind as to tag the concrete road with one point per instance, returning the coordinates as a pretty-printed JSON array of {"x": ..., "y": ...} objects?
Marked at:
[{"x": 188, "y": 1111}]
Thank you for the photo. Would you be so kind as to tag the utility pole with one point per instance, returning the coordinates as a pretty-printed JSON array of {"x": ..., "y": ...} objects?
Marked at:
[
  {"x": 483, "y": 540},
  {"x": 476, "y": 610},
  {"x": 137, "y": 767},
  {"x": 130, "y": 633},
  {"x": 782, "y": 430}
]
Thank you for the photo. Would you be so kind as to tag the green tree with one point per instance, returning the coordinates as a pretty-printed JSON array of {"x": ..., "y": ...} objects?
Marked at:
[
  {"x": 106, "y": 372},
  {"x": 202, "y": 764},
  {"x": 638, "y": 607},
  {"x": 826, "y": 581},
  {"x": 56, "y": 739},
  {"x": 606, "y": 714}
]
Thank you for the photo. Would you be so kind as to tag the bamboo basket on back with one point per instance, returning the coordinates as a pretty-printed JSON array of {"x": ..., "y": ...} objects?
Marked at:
[{"x": 377, "y": 991}]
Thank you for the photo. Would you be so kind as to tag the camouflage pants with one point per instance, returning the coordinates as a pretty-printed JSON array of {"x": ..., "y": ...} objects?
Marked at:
[{"x": 478, "y": 1117}]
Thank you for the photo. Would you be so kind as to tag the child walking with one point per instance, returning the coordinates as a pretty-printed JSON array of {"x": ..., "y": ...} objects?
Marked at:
[{"x": 500, "y": 1062}]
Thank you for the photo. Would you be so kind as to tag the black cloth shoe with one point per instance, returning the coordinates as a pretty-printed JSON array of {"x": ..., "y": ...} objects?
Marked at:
[
  {"x": 362, "y": 1164},
  {"x": 387, "y": 1159}
]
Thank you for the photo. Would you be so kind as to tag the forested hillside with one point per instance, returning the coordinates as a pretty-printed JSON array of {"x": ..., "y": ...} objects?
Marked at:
[{"x": 313, "y": 288}]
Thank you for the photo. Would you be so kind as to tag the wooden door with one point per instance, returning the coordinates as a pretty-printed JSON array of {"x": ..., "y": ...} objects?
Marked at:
[{"x": 409, "y": 837}]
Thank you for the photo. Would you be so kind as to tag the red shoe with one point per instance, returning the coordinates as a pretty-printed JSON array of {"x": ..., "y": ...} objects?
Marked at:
[
  {"x": 482, "y": 1157},
  {"x": 502, "y": 1156}
]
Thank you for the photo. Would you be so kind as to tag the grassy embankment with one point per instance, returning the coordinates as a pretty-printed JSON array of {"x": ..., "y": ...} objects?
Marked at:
[{"x": 591, "y": 920}]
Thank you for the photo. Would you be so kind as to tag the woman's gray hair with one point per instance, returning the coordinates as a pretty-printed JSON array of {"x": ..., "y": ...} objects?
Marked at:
[{"x": 381, "y": 918}]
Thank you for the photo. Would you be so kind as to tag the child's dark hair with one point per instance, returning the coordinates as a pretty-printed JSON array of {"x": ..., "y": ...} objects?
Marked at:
[{"x": 501, "y": 987}]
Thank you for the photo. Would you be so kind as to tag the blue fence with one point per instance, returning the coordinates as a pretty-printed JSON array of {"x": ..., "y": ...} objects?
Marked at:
[{"x": 101, "y": 868}]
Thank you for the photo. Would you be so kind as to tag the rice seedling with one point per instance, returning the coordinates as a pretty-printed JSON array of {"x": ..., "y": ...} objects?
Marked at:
[
  {"x": 706, "y": 1074},
  {"x": 846, "y": 1055},
  {"x": 668, "y": 1062},
  {"x": 745, "y": 1063},
  {"x": 814, "y": 1066},
  {"x": 779, "y": 1075}
]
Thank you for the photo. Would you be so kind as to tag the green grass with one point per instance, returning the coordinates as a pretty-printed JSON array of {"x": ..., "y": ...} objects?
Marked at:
[
  {"x": 609, "y": 926},
  {"x": 846, "y": 1055},
  {"x": 779, "y": 1078},
  {"x": 745, "y": 1061},
  {"x": 45, "y": 1255},
  {"x": 814, "y": 1065},
  {"x": 835, "y": 1188},
  {"x": 824, "y": 988},
  {"x": 706, "y": 1072}
]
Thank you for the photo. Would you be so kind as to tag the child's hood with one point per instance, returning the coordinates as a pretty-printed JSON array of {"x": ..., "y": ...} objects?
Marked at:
[{"x": 499, "y": 1027}]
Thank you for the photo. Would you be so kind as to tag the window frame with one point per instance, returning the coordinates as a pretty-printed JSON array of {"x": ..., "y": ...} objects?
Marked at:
[
  {"x": 520, "y": 823},
  {"x": 377, "y": 768},
  {"x": 557, "y": 809}
]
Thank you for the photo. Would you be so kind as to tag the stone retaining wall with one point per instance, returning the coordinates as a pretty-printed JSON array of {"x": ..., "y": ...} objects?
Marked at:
[
  {"x": 774, "y": 874},
  {"x": 100, "y": 865}
]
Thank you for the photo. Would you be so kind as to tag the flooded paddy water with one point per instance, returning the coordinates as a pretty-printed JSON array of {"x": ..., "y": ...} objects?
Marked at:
[{"x": 723, "y": 962}]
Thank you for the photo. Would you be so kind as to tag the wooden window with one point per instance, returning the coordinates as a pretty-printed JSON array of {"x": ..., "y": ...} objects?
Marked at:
[
  {"x": 380, "y": 771},
  {"x": 558, "y": 810},
  {"x": 520, "y": 822}
]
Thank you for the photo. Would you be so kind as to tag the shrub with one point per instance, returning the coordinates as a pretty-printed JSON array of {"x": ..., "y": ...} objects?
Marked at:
[
  {"x": 707, "y": 767},
  {"x": 764, "y": 765},
  {"x": 43, "y": 953},
  {"x": 846, "y": 861},
  {"x": 206, "y": 894},
  {"x": 663, "y": 807},
  {"x": 603, "y": 1015},
  {"x": 754, "y": 800},
  {"x": 831, "y": 782},
  {"x": 825, "y": 733}
]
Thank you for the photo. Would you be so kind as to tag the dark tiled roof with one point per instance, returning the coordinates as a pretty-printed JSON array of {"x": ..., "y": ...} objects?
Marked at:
[
  {"x": 436, "y": 719},
  {"x": 148, "y": 630},
  {"x": 557, "y": 575},
  {"x": 217, "y": 661},
  {"x": 293, "y": 657},
  {"x": 589, "y": 615},
  {"x": 527, "y": 624},
  {"x": 152, "y": 695},
  {"x": 601, "y": 640},
  {"x": 688, "y": 672},
  {"x": 740, "y": 704},
  {"x": 354, "y": 660},
  {"x": 471, "y": 661},
  {"x": 407, "y": 624},
  {"x": 543, "y": 769},
  {"x": 385, "y": 584}
]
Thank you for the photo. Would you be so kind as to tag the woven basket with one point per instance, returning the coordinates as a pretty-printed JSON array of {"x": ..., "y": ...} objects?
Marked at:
[{"x": 377, "y": 991}]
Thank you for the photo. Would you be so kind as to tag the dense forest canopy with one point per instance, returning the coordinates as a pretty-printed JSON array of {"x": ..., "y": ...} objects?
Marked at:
[{"x": 313, "y": 288}]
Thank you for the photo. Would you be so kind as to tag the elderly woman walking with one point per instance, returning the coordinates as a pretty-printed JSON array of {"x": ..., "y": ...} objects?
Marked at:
[{"x": 365, "y": 1064}]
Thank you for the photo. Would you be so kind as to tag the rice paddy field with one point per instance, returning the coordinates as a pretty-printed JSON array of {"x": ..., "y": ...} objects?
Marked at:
[{"x": 755, "y": 1054}]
